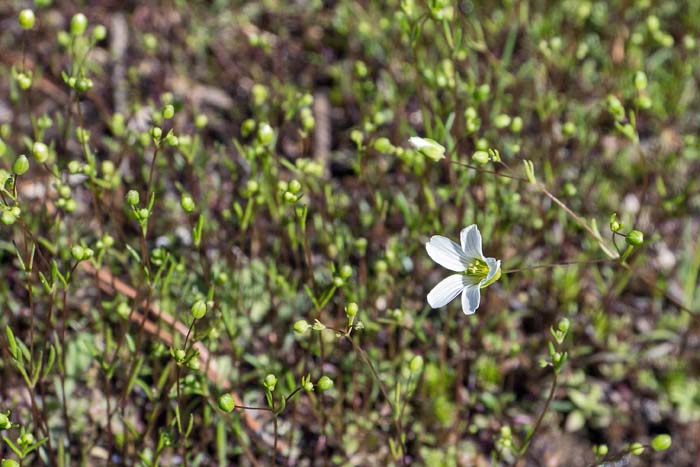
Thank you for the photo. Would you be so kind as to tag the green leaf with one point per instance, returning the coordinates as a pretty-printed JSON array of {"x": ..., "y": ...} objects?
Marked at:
[{"x": 11, "y": 342}]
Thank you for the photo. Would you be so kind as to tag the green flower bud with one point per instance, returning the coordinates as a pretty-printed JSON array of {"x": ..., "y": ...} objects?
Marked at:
[
  {"x": 132, "y": 197},
  {"x": 318, "y": 326},
  {"x": 227, "y": 403},
  {"x": 351, "y": 310},
  {"x": 290, "y": 197},
  {"x": 24, "y": 81},
  {"x": 40, "y": 152},
  {"x": 383, "y": 145},
  {"x": 428, "y": 147},
  {"x": 9, "y": 463},
  {"x": 470, "y": 113},
  {"x": 193, "y": 364},
  {"x": 480, "y": 157},
  {"x": 77, "y": 252},
  {"x": 308, "y": 385},
  {"x": 78, "y": 24},
  {"x": 636, "y": 449},
  {"x": 266, "y": 134},
  {"x": 325, "y": 383},
  {"x": 661, "y": 442},
  {"x": 123, "y": 310},
  {"x": 252, "y": 186},
  {"x": 689, "y": 42},
  {"x": 74, "y": 167},
  {"x": 356, "y": 137},
  {"x": 644, "y": 102},
  {"x": 516, "y": 125},
  {"x": 156, "y": 133},
  {"x": 184, "y": 140},
  {"x": 4, "y": 421},
  {"x": 83, "y": 135},
  {"x": 338, "y": 281},
  {"x": 26, "y": 18},
  {"x": 482, "y": 92},
  {"x": 270, "y": 382},
  {"x": 8, "y": 218},
  {"x": 615, "y": 107},
  {"x": 21, "y": 165},
  {"x": 108, "y": 240},
  {"x": 179, "y": 355},
  {"x": 615, "y": 225},
  {"x": 635, "y": 238},
  {"x": 416, "y": 364},
  {"x": 294, "y": 186},
  {"x": 247, "y": 127},
  {"x": 345, "y": 271},
  {"x": 640, "y": 80},
  {"x": 201, "y": 120},
  {"x": 260, "y": 94},
  {"x": 83, "y": 84},
  {"x": 653, "y": 23},
  {"x": 150, "y": 42},
  {"x": 187, "y": 202},
  {"x": 70, "y": 205},
  {"x": 301, "y": 326},
  {"x": 168, "y": 112},
  {"x": 563, "y": 325},
  {"x": 568, "y": 129},
  {"x": 199, "y": 309},
  {"x": 664, "y": 38},
  {"x": 144, "y": 213},
  {"x": 502, "y": 121},
  {"x": 570, "y": 189},
  {"x": 506, "y": 432},
  {"x": 172, "y": 140},
  {"x": 99, "y": 33},
  {"x": 307, "y": 119},
  {"x": 601, "y": 450}
]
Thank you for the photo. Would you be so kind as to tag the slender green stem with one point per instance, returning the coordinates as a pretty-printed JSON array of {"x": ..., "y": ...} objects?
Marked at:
[
  {"x": 580, "y": 221},
  {"x": 385, "y": 393},
  {"x": 613, "y": 458},
  {"x": 533, "y": 432},
  {"x": 562, "y": 263}
]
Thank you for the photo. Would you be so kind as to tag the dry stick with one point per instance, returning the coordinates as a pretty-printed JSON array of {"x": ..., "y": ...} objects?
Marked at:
[{"x": 111, "y": 285}]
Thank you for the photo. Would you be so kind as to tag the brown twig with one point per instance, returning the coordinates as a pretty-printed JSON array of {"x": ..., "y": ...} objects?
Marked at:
[{"x": 111, "y": 285}]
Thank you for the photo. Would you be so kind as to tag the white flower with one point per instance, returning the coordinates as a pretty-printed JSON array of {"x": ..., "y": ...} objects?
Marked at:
[
  {"x": 428, "y": 147},
  {"x": 476, "y": 271}
]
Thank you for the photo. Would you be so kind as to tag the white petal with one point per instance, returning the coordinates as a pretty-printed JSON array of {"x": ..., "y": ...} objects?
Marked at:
[
  {"x": 447, "y": 253},
  {"x": 471, "y": 297},
  {"x": 471, "y": 242},
  {"x": 494, "y": 265},
  {"x": 446, "y": 290},
  {"x": 418, "y": 142}
]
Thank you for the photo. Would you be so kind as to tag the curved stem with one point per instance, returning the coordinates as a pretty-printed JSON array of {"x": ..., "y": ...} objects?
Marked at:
[
  {"x": 531, "y": 435},
  {"x": 385, "y": 393}
]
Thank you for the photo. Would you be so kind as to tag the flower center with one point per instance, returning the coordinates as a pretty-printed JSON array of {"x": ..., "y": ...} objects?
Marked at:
[{"x": 478, "y": 269}]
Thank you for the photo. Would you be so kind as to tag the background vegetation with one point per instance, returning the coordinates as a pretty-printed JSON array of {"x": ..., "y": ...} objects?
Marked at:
[{"x": 206, "y": 186}]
